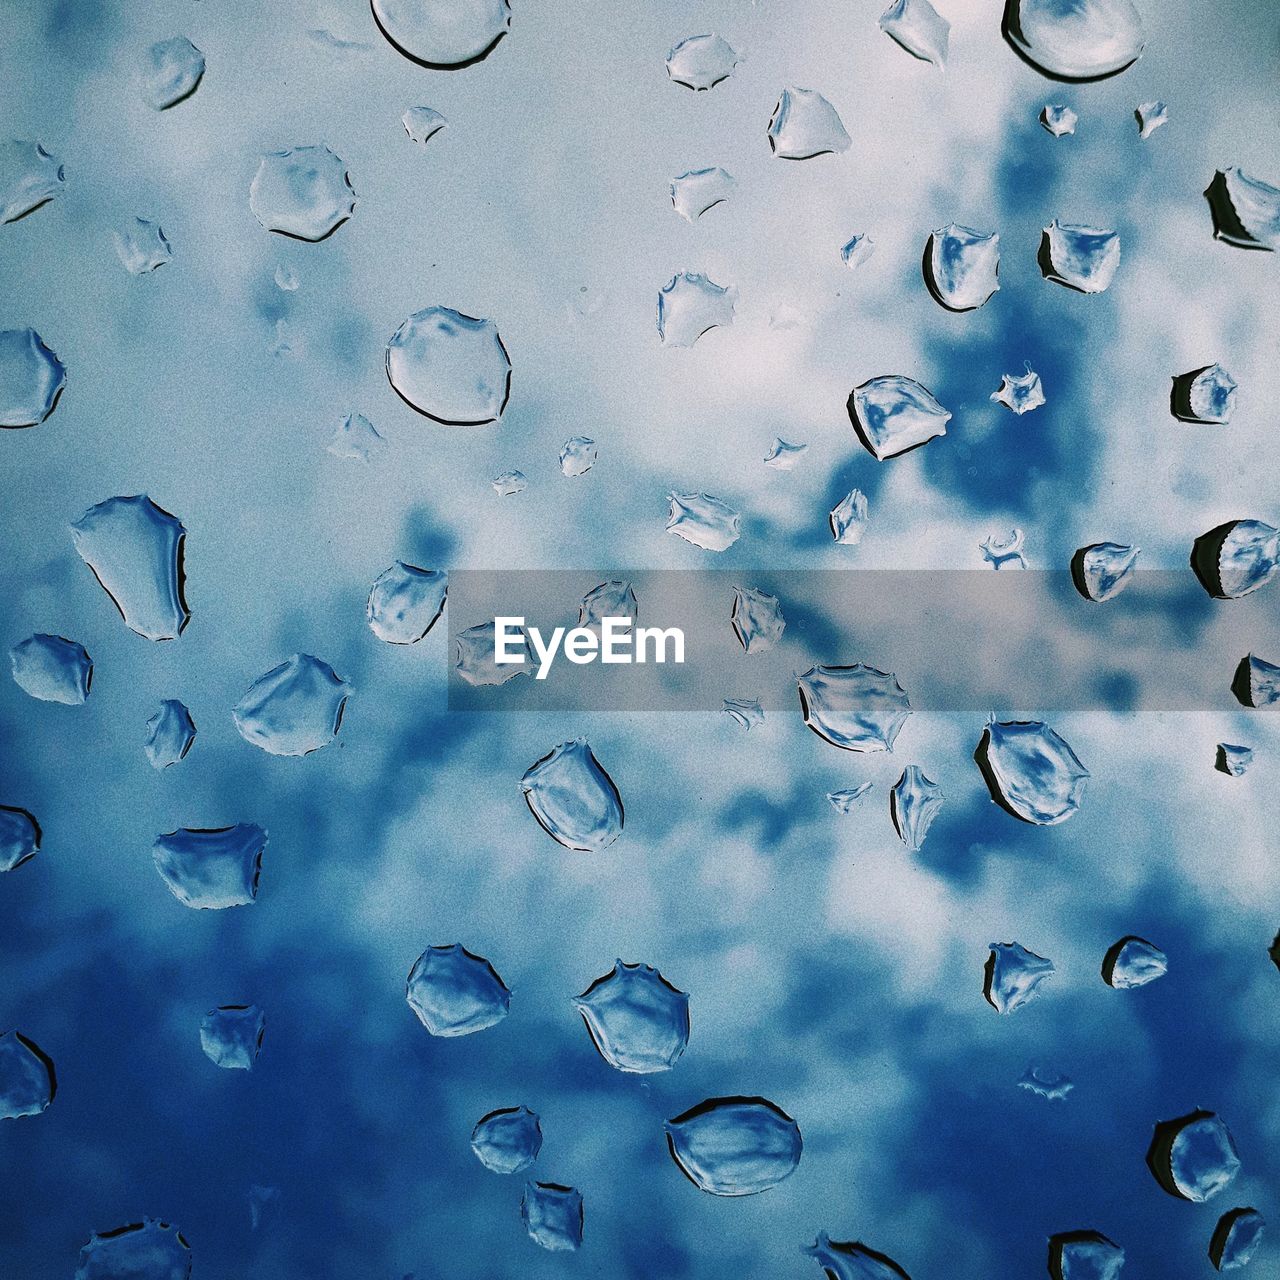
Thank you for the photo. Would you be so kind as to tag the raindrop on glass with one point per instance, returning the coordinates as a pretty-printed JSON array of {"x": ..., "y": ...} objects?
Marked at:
[
  {"x": 1150, "y": 116},
  {"x": 31, "y": 378},
  {"x": 1233, "y": 760},
  {"x": 1236, "y": 558},
  {"x": 1084, "y": 1255},
  {"x": 893, "y": 414},
  {"x": 450, "y": 367},
  {"x": 1193, "y": 1157},
  {"x": 852, "y": 1260},
  {"x": 848, "y": 519},
  {"x": 1013, "y": 976},
  {"x": 573, "y": 798},
  {"x": 693, "y": 193},
  {"x": 170, "y": 733},
  {"x": 1207, "y": 395},
  {"x": 1257, "y": 682},
  {"x": 147, "y": 1250},
  {"x": 422, "y": 124},
  {"x": 1081, "y": 258},
  {"x": 211, "y": 868},
  {"x": 286, "y": 279},
  {"x": 508, "y": 1140},
  {"x": 690, "y": 305},
  {"x": 142, "y": 246},
  {"x": 638, "y": 1021},
  {"x": 804, "y": 124},
  {"x": 1236, "y": 1238},
  {"x": 1104, "y": 569},
  {"x": 293, "y": 709},
  {"x": 857, "y": 251},
  {"x": 474, "y": 659},
  {"x": 29, "y": 177},
  {"x": 509, "y": 483},
  {"x": 445, "y": 34},
  {"x": 1031, "y": 771},
  {"x": 455, "y": 993},
  {"x": 303, "y": 192},
  {"x": 1075, "y": 39},
  {"x": 27, "y": 1078},
  {"x": 919, "y": 28},
  {"x": 577, "y": 456},
  {"x": 757, "y": 619},
  {"x": 1045, "y": 1083},
  {"x": 1020, "y": 392},
  {"x": 1004, "y": 550},
  {"x": 962, "y": 267},
  {"x": 1059, "y": 120},
  {"x": 746, "y": 713},
  {"x": 703, "y": 520},
  {"x": 914, "y": 803},
  {"x": 405, "y": 602},
  {"x": 552, "y": 1215},
  {"x": 857, "y": 708},
  {"x": 1246, "y": 211},
  {"x": 231, "y": 1036},
  {"x": 356, "y": 438},
  {"x": 1133, "y": 962},
  {"x": 171, "y": 71},
  {"x": 783, "y": 456},
  {"x": 612, "y": 599},
  {"x": 846, "y": 801},
  {"x": 701, "y": 62},
  {"x": 19, "y": 837},
  {"x": 52, "y": 669},
  {"x": 735, "y": 1146}
]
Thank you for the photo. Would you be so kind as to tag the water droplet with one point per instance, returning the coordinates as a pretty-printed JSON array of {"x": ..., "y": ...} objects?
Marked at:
[
  {"x": 147, "y": 1250},
  {"x": 757, "y": 619},
  {"x": 1075, "y": 39},
  {"x": 1103, "y": 570},
  {"x": 1133, "y": 962},
  {"x": 693, "y": 193},
  {"x": 450, "y": 367},
  {"x": 356, "y": 438},
  {"x": 914, "y": 802},
  {"x": 783, "y": 456},
  {"x": 844, "y": 801},
  {"x": 1004, "y": 550},
  {"x": 852, "y": 1260},
  {"x": 508, "y": 1140},
  {"x": 703, "y": 520},
  {"x": 804, "y": 124},
  {"x": 170, "y": 733},
  {"x": 1045, "y": 1083},
  {"x": 286, "y": 279},
  {"x": 211, "y": 868},
  {"x": 455, "y": 993},
  {"x": 735, "y": 1146},
  {"x": 19, "y": 837},
  {"x": 1204, "y": 395},
  {"x": 638, "y": 1021},
  {"x": 858, "y": 708},
  {"x": 405, "y": 602},
  {"x": 701, "y": 62},
  {"x": 746, "y": 713},
  {"x": 509, "y": 483},
  {"x": 893, "y": 414},
  {"x": 857, "y": 251},
  {"x": 1257, "y": 682},
  {"x": 962, "y": 267},
  {"x": 577, "y": 456},
  {"x": 1013, "y": 976},
  {"x": 422, "y": 124},
  {"x": 52, "y": 669},
  {"x": 573, "y": 798},
  {"x": 231, "y": 1035},
  {"x": 552, "y": 1215},
  {"x": 691, "y": 305},
  {"x": 1059, "y": 120},
  {"x": 848, "y": 519},
  {"x": 1031, "y": 771},
  {"x": 1084, "y": 1255},
  {"x": 1233, "y": 760},
  {"x": 31, "y": 378},
  {"x": 1081, "y": 258},
  {"x": 142, "y": 246},
  {"x": 474, "y": 657},
  {"x": 1020, "y": 392},
  {"x": 613, "y": 599},
  {"x": 27, "y": 1078},
  {"x": 303, "y": 192},
  {"x": 261, "y": 1200},
  {"x": 445, "y": 34},
  {"x": 1151, "y": 115},
  {"x": 285, "y": 344},
  {"x": 293, "y": 709},
  {"x": 919, "y": 28},
  {"x": 1236, "y": 558},
  {"x": 1246, "y": 211},
  {"x": 1194, "y": 1156},
  {"x": 1236, "y": 1238},
  {"x": 171, "y": 71},
  {"x": 135, "y": 549},
  {"x": 29, "y": 177}
]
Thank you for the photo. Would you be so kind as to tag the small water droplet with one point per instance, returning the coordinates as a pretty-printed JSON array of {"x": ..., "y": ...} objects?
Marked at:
[
  {"x": 29, "y": 178},
  {"x": 1236, "y": 558},
  {"x": 455, "y": 993},
  {"x": 1084, "y": 1255},
  {"x": 848, "y": 519},
  {"x": 1246, "y": 211},
  {"x": 1013, "y": 976},
  {"x": 701, "y": 62},
  {"x": 1102, "y": 571},
  {"x": 1031, "y": 771},
  {"x": 577, "y": 456},
  {"x": 443, "y": 33},
  {"x": 1082, "y": 40},
  {"x": 735, "y": 1146},
  {"x": 703, "y": 520},
  {"x": 962, "y": 267},
  {"x": 638, "y": 1021},
  {"x": 31, "y": 378},
  {"x": 1151, "y": 115},
  {"x": 1059, "y": 120},
  {"x": 804, "y": 125},
  {"x": 552, "y": 1215},
  {"x": 852, "y": 1260},
  {"x": 757, "y": 619},
  {"x": 509, "y": 483},
  {"x": 147, "y": 1250},
  {"x": 893, "y": 414},
  {"x": 422, "y": 124},
  {"x": 1257, "y": 682},
  {"x": 170, "y": 733},
  {"x": 450, "y": 367},
  {"x": 857, "y": 708},
  {"x": 293, "y": 709},
  {"x": 27, "y": 1078},
  {"x": 693, "y": 193},
  {"x": 612, "y": 599},
  {"x": 1081, "y": 258},
  {"x": 783, "y": 456},
  {"x": 1046, "y": 1083},
  {"x": 231, "y": 1036},
  {"x": 1193, "y": 1157},
  {"x": 691, "y": 305},
  {"x": 171, "y": 72},
  {"x": 746, "y": 713},
  {"x": 1233, "y": 760},
  {"x": 1004, "y": 550},
  {"x": 1236, "y": 1238},
  {"x": 19, "y": 837},
  {"x": 508, "y": 1140},
  {"x": 1133, "y": 962},
  {"x": 142, "y": 246},
  {"x": 261, "y": 1201},
  {"x": 1204, "y": 395},
  {"x": 356, "y": 438},
  {"x": 474, "y": 656},
  {"x": 857, "y": 251},
  {"x": 1020, "y": 392},
  {"x": 845, "y": 801},
  {"x": 52, "y": 669},
  {"x": 208, "y": 869},
  {"x": 405, "y": 602},
  {"x": 303, "y": 192},
  {"x": 574, "y": 800},
  {"x": 286, "y": 279},
  {"x": 914, "y": 803},
  {"x": 919, "y": 28}
]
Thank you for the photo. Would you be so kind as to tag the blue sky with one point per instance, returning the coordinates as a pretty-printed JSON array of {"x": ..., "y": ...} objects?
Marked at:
[{"x": 828, "y": 969}]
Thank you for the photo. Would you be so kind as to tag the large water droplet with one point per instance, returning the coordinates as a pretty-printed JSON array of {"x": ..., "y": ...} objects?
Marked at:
[
  {"x": 612, "y": 599},
  {"x": 1133, "y": 962},
  {"x": 303, "y": 192},
  {"x": 1084, "y": 1255},
  {"x": 27, "y": 1078},
  {"x": 804, "y": 124},
  {"x": 293, "y": 709},
  {"x": 893, "y": 414},
  {"x": 19, "y": 837},
  {"x": 1059, "y": 120},
  {"x": 693, "y": 193},
  {"x": 701, "y": 62},
  {"x": 147, "y": 1250},
  {"x": 1075, "y": 39},
  {"x": 170, "y": 733},
  {"x": 142, "y": 246},
  {"x": 135, "y": 549},
  {"x": 1257, "y": 682},
  {"x": 1233, "y": 760},
  {"x": 446, "y": 34},
  {"x": 1236, "y": 558},
  {"x": 231, "y": 1035},
  {"x": 919, "y": 28},
  {"x": 1013, "y": 976},
  {"x": 31, "y": 378},
  {"x": 735, "y": 1146},
  {"x": 208, "y": 869},
  {"x": 577, "y": 456},
  {"x": 1020, "y": 392},
  {"x": 858, "y": 708},
  {"x": 509, "y": 483},
  {"x": 1194, "y": 1156},
  {"x": 691, "y": 304},
  {"x": 454, "y": 992},
  {"x": 852, "y": 1260},
  {"x": 757, "y": 619},
  {"x": 962, "y": 267},
  {"x": 422, "y": 124},
  {"x": 474, "y": 658},
  {"x": 508, "y": 1140},
  {"x": 1207, "y": 394},
  {"x": 1082, "y": 258},
  {"x": 848, "y": 519},
  {"x": 914, "y": 803},
  {"x": 638, "y": 1021},
  {"x": 1031, "y": 771},
  {"x": 703, "y": 520},
  {"x": 1103, "y": 570},
  {"x": 450, "y": 367},
  {"x": 1236, "y": 1238},
  {"x": 29, "y": 177},
  {"x": 552, "y": 1215},
  {"x": 171, "y": 71},
  {"x": 573, "y": 798},
  {"x": 1045, "y": 1083},
  {"x": 52, "y": 669},
  {"x": 355, "y": 437},
  {"x": 405, "y": 602},
  {"x": 1246, "y": 211}
]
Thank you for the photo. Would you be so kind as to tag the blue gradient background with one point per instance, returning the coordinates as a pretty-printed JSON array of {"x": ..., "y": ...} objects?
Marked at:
[{"x": 828, "y": 969}]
